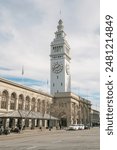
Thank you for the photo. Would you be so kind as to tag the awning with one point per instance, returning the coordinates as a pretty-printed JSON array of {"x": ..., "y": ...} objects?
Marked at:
[{"x": 27, "y": 115}]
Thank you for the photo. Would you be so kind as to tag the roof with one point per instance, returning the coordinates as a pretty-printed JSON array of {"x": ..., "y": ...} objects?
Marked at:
[{"x": 27, "y": 114}]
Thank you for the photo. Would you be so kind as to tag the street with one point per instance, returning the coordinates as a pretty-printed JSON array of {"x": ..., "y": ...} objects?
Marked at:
[{"x": 52, "y": 140}]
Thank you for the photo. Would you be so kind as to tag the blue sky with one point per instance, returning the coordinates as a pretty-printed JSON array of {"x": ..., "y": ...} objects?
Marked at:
[{"x": 26, "y": 30}]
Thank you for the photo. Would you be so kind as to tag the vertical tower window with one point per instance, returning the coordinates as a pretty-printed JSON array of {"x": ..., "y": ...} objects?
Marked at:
[
  {"x": 61, "y": 83},
  {"x": 53, "y": 84},
  {"x": 57, "y": 77}
]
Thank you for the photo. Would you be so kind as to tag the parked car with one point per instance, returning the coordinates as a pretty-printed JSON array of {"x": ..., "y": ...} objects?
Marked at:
[
  {"x": 73, "y": 127},
  {"x": 81, "y": 126},
  {"x": 76, "y": 127}
]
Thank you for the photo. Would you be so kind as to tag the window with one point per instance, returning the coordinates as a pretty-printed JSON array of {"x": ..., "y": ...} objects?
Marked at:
[
  {"x": 4, "y": 100},
  {"x": 43, "y": 107},
  {"x": 20, "y": 102},
  {"x": 33, "y": 104},
  {"x": 61, "y": 83},
  {"x": 48, "y": 108},
  {"x": 27, "y": 103},
  {"x": 13, "y": 101},
  {"x": 53, "y": 84},
  {"x": 58, "y": 35},
  {"x": 57, "y": 77},
  {"x": 38, "y": 105}
]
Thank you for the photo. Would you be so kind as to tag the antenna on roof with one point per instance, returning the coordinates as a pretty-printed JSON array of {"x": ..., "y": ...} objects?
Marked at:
[
  {"x": 60, "y": 13},
  {"x": 22, "y": 74}
]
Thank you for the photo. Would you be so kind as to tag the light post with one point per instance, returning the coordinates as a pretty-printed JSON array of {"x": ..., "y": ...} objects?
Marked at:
[{"x": 50, "y": 117}]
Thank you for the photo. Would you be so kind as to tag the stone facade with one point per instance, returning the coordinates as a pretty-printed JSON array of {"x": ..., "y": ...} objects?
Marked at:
[
  {"x": 17, "y": 97},
  {"x": 95, "y": 117},
  {"x": 71, "y": 109},
  {"x": 67, "y": 107}
]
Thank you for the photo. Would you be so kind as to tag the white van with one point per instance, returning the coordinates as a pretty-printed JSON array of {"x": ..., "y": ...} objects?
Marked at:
[
  {"x": 81, "y": 126},
  {"x": 73, "y": 127}
]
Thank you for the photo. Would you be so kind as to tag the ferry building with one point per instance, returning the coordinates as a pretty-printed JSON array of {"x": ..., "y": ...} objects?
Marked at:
[{"x": 33, "y": 108}]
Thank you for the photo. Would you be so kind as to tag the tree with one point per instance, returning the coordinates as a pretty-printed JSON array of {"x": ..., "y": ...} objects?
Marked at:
[{"x": 60, "y": 110}]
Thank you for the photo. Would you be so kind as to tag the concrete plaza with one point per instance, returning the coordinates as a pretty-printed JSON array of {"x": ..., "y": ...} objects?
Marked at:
[{"x": 52, "y": 140}]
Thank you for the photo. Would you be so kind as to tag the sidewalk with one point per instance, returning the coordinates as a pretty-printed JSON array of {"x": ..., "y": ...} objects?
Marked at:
[{"x": 27, "y": 132}]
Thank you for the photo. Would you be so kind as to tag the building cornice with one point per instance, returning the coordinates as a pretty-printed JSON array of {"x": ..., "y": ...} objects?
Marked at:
[
  {"x": 24, "y": 87},
  {"x": 72, "y": 95}
]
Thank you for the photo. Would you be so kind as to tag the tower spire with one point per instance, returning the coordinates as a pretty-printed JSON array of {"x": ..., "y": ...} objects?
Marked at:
[
  {"x": 60, "y": 13},
  {"x": 60, "y": 25}
]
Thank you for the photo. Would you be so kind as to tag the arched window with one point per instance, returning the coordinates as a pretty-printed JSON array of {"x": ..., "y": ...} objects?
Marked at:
[
  {"x": 4, "y": 100},
  {"x": 13, "y": 101},
  {"x": 38, "y": 105},
  {"x": 20, "y": 102},
  {"x": 48, "y": 108},
  {"x": 43, "y": 107},
  {"x": 27, "y": 103},
  {"x": 33, "y": 104}
]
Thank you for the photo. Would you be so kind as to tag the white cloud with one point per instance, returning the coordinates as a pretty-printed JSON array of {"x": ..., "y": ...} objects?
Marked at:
[{"x": 27, "y": 29}]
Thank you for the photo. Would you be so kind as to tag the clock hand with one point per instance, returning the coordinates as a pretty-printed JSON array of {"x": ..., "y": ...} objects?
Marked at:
[{"x": 56, "y": 67}]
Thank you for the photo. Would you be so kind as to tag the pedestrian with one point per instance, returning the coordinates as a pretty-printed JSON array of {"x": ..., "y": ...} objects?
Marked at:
[
  {"x": 60, "y": 126},
  {"x": 41, "y": 128}
]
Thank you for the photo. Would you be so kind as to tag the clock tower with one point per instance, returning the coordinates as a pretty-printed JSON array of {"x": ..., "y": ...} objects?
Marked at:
[{"x": 60, "y": 62}]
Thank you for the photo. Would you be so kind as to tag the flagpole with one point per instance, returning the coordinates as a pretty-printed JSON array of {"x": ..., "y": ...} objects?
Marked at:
[
  {"x": 22, "y": 74},
  {"x": 47, "y": 85}
]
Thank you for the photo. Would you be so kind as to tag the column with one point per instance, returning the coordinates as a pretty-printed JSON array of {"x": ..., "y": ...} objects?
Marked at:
[
  {"x": 36, "y": 105},
  {"x": 23, "y": 122},
  {"x": 46, "y": 123},
  {"x": 16, "y": 104},
  {"x": 7, "y": 122},
  {"x": 15, "y": 122},
  {"x": 23, "y": 104},
  {"x": 30, "y": 104},
  {"x": 36, "y": 123},
  {"x": 8, "y": 104},
  {"x": 56, "y": 124},
  {"x": 30, "y": 122}
]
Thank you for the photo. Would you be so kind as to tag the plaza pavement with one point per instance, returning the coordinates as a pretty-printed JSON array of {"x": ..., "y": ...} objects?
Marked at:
[{"x": 52, "y": 140}]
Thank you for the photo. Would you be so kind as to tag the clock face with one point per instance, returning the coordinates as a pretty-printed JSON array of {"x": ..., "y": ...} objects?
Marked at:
[
  {"x": 57, "y": 68},
  {"x": 67, "y": 69}
]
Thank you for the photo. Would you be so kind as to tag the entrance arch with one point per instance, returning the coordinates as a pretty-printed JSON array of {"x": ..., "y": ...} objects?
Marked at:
[{"x": 63, "y": 119}]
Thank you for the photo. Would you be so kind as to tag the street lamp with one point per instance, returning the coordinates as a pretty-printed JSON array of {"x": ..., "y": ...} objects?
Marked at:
[{"x": 50, "y": 117}]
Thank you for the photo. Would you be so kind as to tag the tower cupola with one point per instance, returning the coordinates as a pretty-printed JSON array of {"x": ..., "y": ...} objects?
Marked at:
[{"x": 60, "y": 26}]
